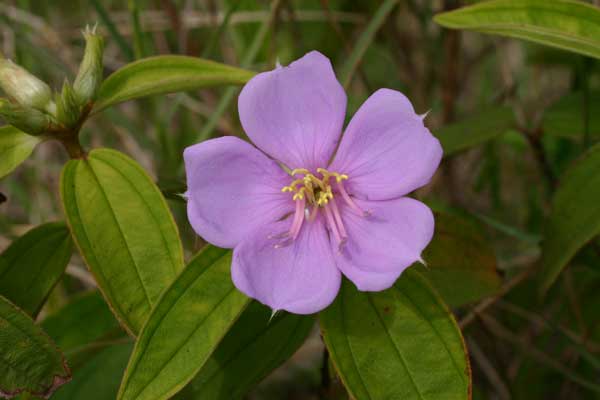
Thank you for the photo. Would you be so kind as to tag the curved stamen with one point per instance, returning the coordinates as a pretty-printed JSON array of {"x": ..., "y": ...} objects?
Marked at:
[
  {"x": 331, "y": 224},
  {"x": 357, "y": 210},
  {"x": 294, "y": 230},
  {"x": 298, "y": 219},
  {"x": 338, "y": 219}
]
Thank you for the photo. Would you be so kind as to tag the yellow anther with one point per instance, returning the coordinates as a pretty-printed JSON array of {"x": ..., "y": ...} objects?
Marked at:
[
  {"x": 326, "y": 175},
  {"x": 300, "y": 171},
  {"x": 315, "y": 190},
  {"x": 340, "y": 177}
]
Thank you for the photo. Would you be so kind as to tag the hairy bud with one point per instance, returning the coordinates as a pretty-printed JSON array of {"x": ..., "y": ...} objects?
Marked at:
[
  {"x": 24, "y": 88},
  {"x": 89, "y": 77},
  {"x": 68, "y": 107},
  {"x": 29, "y": 120}
]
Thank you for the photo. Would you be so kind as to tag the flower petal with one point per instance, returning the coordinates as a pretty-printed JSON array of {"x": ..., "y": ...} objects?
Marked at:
[
  {"x": 300, "y": 278},
  {"x": 233, "y": 189},
  {"x": 386, "y": 150},
  {"x": 295, "y": 113},
  {"x": 385, "y": 243}
]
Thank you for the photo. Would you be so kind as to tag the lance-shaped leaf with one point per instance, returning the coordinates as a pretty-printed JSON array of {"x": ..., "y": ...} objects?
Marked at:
[
  {"x": 29, "y": 361},
  {"x": 166, "y": 74},
  {"x": 566, "y": 24},
  {"x": 124, "y": 231},
  {"x": 402, "y": 343},
  {"x": 99, "y": 378},
  {"x": 15, "y": 147},
  {"x": 255, "y": 346},
  {"x": 184, "y": 329},
  {"x": 461, "y": 264},
  {"x": 33, "y": 264},
  {"x": 484, "y": 125},
  {"x": 575, "y": 217}
]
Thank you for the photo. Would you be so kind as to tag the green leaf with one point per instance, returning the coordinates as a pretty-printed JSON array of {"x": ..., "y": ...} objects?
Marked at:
[
  {"x": 482, "y": 126},
  {"x": 33, "y": 264},
  {"x": 565, "y": 24},
  {"x": 461, "y": 264},
  {"x": 566, "y": 117},
  {"x": 29, "y": 361},
  {"x": 100, "y": 377},
  {"x": 124, "y": 231},
  {"x": 402, "y": 343},
  {"x": 15, "y": 147},
  {"x": 76, "y": 326},
  {"x": 184, "y": 328},
  {"x": 254, "y": 347},
  {"x": 166, "y": 74},
  {"x": 575, "y": 216}
]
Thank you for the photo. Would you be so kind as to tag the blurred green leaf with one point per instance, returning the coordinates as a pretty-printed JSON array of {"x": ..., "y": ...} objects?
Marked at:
[
  {"x": 364, "y": 41},
  {"x": 247, "y": 60},
  {"x": 402, "y": 343},
  {"x": 184, "y": 329},
  {"x": 15, "y": 147},
  {"x": 78, "y": 325},
  {"x": 33, "y": 264},
  {"x": 99, "y": 378},
  {"x": 474, "y": 130},
  {"x": 124, "y": 231},
  {"x": 166, "y": 74},
  {"x": 255, "y": 346},
  {"x": 565, "y": 118},
  {"x": 566, "y": 24},
  {"x": 575, "y": 217},
  {"x": 29, "y": 361},
  {"x": 461, "y": 264}
]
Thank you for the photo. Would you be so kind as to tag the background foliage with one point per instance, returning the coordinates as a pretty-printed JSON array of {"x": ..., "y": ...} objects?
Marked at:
[{"x": 515, "y": 254}]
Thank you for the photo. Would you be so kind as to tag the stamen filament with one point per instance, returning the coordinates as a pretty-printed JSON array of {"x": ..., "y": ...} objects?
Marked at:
[
  {"x": 298, "y": 219},
  {"x": 357, "y": 210},
  {"x": 332, "y": 226},
  {"x": 338, "y": 219}
]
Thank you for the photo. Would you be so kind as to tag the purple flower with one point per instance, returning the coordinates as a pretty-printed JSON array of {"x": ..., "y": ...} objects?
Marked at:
[{"x": 296, "y": 219}]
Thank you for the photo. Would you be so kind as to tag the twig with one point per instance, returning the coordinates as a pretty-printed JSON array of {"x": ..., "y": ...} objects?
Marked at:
[
  {"x": 470, "y": 317},
  {"x": 503, "y": 333},
  {"x": 488, "y": 370}
]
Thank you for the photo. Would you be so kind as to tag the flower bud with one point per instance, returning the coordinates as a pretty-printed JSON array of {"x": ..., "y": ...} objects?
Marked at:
[
  {"x": 23, "y": 87},
  {"x": 29, "y": 120},
  {"x": 89, "y": 77},
  {"x": 68, "y": 107}
]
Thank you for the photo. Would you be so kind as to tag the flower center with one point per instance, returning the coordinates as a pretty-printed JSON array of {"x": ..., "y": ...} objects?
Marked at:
[{"x": 314, "y": 193}]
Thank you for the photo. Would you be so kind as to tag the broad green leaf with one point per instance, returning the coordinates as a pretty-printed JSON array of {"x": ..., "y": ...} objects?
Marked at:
[
  {"x": 575, "y": 216},
  {"x": 480, "y": 127},
  {"x": 166, "y": 74},
  {"x": 29, "y": 361},
  {"x": 254, "y": 347},
  {"x": 461, "y": 264},
  {"x": 15, "y": 147},
  {"x": 565, "y": 24},
  {"x": 80, "y": 325},
  {"x": 33, "y": 264},
  {"x": 100, "y": 377},
  {"x": 184, "y": 329},
  {"x": 566, "y": 117},
  {"x": 124, "y": 231},
  {"x": 402, "y": 343}
]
